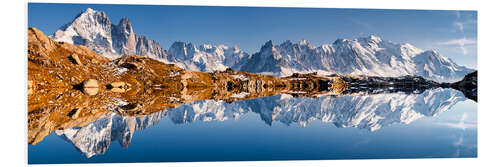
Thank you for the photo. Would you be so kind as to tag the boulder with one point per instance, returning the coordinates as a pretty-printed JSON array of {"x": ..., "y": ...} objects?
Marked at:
[
  {"x": 91, "y": 83},
  {"x": 130, "y": 108},
  {"x": 75, "y": 113},
  {"x": 30, "y": 86},
  {"x": 91, "y": 91},
  {"x": 91, "y": 87},
  {"x": 75, "y": 59},
  {"x": 132, "y": 66},
  {"x": 119, "y": 84},
  {"x": 118, "y": 90},
  {"x": 118, "y": 87},
  {"x": 72, "y": 79}
]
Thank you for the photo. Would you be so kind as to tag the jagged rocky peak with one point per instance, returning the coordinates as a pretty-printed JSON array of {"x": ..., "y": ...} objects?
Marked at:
[
  {"x": 289, "y": 45},
  {"x": 236, "y": 48},
  {"x": 361, "y": 56},
  {"x": 369, "y": 55},
  {"x": 364, "y": 41},
  {"x": 434, "y": 57},
  {"x": 97, "y": 21},
  {"x": 265, "y": 61},
  {"x": 90, "y": 28},
  {"x": 92, "y": 19},
  {"x": 303, "y": 42},
  {"x": 125, "y": 40},
  {"x": 370, "y": 38},
  {"x": 94, "y": 30},
  {"x": 344, "y": 43},
  {"x": 178, "y": 45},
  {"x": 206, "y": 57},
  {"x": 95, "y": 138},
  {"x": 208, "y": 47},
  {"x": 409, "y": 49},
  {"x": 124, "y": 28},
  {"x": 267, "y": 45},
  {"x": 182, "y": 50},
  {"x": 91, "y": 16},
  {"x": 270, "y": 49},
  {"x": 433, "y": 52},
  {"x": 125, "y": 25}
]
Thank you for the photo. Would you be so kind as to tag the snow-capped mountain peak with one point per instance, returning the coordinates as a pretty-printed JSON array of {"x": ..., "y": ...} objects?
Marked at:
[
  {"x": 94, "y": 30},
  {"x": 303, "y": 42},
  {"x": 89, "y": 25},
  {"x": 268, "y": 45},
  {"x": 361, "y": 56},
  {"x": 206, "y": 57},
  {"x": 371, "y": 55},
  {"x": 370, "y": 39}
]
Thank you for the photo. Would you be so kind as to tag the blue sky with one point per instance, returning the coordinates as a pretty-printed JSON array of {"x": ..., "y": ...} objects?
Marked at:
[{"x": 452, "y": 33}]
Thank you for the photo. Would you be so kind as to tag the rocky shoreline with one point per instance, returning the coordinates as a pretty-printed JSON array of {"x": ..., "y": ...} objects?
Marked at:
[
  {"x": 70, "y": 85},
  {"x": 408, "y": 84}
]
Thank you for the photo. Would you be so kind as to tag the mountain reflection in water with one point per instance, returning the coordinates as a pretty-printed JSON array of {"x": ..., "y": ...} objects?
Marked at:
[
  {"x": 91, "y": 101},
  {"x": 370, "y": 112}
]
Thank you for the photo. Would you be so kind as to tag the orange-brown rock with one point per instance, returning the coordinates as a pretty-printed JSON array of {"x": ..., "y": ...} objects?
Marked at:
[
  {"x": 75, "y": 59},
  {"x": 91, "y": 87}
]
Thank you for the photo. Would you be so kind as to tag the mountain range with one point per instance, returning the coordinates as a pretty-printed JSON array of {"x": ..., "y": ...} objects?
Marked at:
[{"x": 361, "y": 56}]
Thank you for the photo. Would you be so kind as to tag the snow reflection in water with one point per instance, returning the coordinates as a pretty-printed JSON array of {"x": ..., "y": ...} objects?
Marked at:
[{"x": 370, "y": 112}]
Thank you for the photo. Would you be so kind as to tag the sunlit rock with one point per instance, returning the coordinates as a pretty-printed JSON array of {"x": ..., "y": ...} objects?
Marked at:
[
  {"x": 75, "y": 59},
  {"x": 91, "y": 87}
]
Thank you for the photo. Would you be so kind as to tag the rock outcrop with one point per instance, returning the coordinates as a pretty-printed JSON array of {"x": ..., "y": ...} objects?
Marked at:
[
  {"x": 468, "y": 86},
  {"x": 91, "y": 87},
  {"x": 74, "y": 58}
]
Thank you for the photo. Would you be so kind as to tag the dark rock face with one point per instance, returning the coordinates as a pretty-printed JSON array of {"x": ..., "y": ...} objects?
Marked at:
[
  {"x": 408, "y": 84},
  {"x": 468, "y": 86},
  {"x": 376, "y": 85}
]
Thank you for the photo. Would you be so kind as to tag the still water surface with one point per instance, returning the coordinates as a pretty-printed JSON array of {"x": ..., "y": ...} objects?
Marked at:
[{"x": 439, "y": 123}]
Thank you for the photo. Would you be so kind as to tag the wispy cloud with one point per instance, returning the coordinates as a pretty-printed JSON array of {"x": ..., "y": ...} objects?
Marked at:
[
  {"x": 462, "y": 124},
  {"x": 458, "y": 14},
  {"x": 459, "y": 42},
  {"x": 462, "y": 22},
  {"x": 361, "y": 24},
  {"x": 458, "y": 144},
  {"x": 460, "y": 26},
  {"x": 460, "y": 141},
  {"x": 462, "y": 43}
]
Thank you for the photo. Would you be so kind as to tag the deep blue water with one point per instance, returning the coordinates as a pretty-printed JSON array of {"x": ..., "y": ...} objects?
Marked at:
[{"x": 273, "y": 128}]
